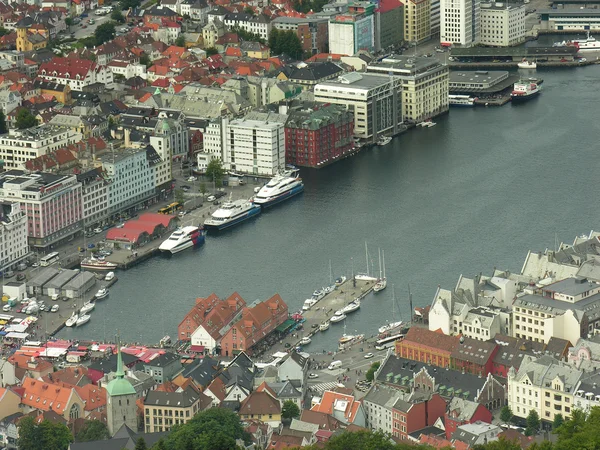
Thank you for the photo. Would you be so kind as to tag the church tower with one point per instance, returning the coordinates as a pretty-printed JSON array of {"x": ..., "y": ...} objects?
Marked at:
[
  {"x": 22, "y": 39},
  {"x": 120, "y": 400}
]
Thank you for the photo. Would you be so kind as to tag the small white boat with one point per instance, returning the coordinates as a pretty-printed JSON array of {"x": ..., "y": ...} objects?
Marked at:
[
  {"x": 318, "y": 294},
  {"x": 426, "y": 124},
  {"x": 71, "y": 321},
  {"x": 324, "y": 326},
  {"x": 102, "y": 293},
  {"x": 328, "y": 289},
  {"x": 524, "y": 64},
  {"x": 341, "y": 280},
  {"x": 384, "y": 140},
  {"x": 305, "y": 341},
  {"x": 346, "y": 338},
  {"x": 308, "y": 303},
  {"x": 109, "y": 276},
  {"x": 82, "y": 320},
  {"x": 86, "y": 308},
  {"x": 390, "y": 326},
  {"x": 365, "y": 277},
  {"x": 337, "y": 317},
  {"x": 351, "y": 307}
]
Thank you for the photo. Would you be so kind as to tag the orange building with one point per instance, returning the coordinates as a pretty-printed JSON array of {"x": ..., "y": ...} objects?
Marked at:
[{"x": 431, "y": 347}]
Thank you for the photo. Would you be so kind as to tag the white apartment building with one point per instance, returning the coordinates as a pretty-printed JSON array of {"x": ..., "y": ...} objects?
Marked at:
[
  {"x": 52, "y": 203},
  {"x": 213, "y": 140},
  {"x": 459, "y": 22},
  {"x": 131, "y": 179},
  {"x": 544, "y": 385},
  {"x": 374, "y": 99},
  {"x": 95, "y": 196},
  {"x": 424, "y": 84},
  {"x": 75, "y": 72},
  {"x": 257, "y": 24},
  {"x": 170, "y": 140},
  {"x": 19, "y": 146},
  {"x": 502, "y": 24},
  {"x": 349, "y": 33},
  {"x": 13, "y": 235},
  {"x": 255, "y": 146}
]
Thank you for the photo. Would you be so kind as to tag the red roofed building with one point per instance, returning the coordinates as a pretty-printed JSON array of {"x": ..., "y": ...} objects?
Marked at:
[
  {"x": 461, "y": 412},
  {"x": 42, "y": 396},
  {"x": 256, "y": 323},
  {"x": 77, "y": 73},
  {"x": 133, "y": 237},
  {"x": 431, "y": 347},
  {"x": 342, "y": 407},
  {"x": 416, "y": 412}
]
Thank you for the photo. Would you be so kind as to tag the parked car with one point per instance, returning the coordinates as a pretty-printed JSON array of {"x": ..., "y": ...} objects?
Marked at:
[
  {"x": 90, "y": 245},
  {"x": 98, "y": 230},
  {"x": 120, "y": 225},
  {"x": 312, "y": 376},
  {"x": 192, "y": 179},
  {"x": 211, "y": 198},
  {"x": 20, "y": 276},
  {"x": 369, "y": 355}
]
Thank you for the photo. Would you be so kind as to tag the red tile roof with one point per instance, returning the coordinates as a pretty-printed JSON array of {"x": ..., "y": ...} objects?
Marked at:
[
  {"x": 67, "y": 67},
  {"x": 46, "y": 396},
  {"x": 434, "y": 339}
]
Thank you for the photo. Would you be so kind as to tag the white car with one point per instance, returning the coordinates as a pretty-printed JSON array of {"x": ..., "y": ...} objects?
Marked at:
[
  {"x": 312, "y": 376},
  {"x": 55, "y": 297},
  {"x": 54, "y": 308},
  {"x": 369, "y": 355},
  {"x": 190, "y": 179},
  {"x": 182, "y": 213},
  {"x": 6, "y": 308},
  {"x": 98, "y": 230},
  {"x": 211, "y": 198}
]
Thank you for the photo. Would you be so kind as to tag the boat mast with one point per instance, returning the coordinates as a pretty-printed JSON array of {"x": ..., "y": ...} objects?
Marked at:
[
  {"x": 393, "y": 305},
  {"x": 367, "y": 257},
  {"x": 410, "y": 302},
  {"x": 330, "y": 274},
  {"x": 380, "y": 264},
  {"x": 383, "y": 258}
]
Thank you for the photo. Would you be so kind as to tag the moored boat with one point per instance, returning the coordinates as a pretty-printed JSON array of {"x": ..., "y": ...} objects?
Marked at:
[
  {"x": 341, "y": 280},
  {"x": 461, "y": 100},
  {"x": 524, "y": 64},
  {"x": 82, "y": 320},
  {"x": 183, "y": 238},
  {"x": 87, "y": 307},
  {"x": 92, "y": 263},
  {"x": 324, "y": 326},
  {"x": 588, "y": 44},
  {"x": 351, "y": 307},
  {"x": 308, "y": 303},
  {"x": 281, "y": 187},
  {"x": 102, "y": 293},
  {"x": 305, "y": 341},
  {"x": 337, "y": 317},
  {"x": 384, "y": 140},
  {"x": 71, "y": 321},
  {"x": 524, "y": 90},
  {"x": 232, "y": 213}
]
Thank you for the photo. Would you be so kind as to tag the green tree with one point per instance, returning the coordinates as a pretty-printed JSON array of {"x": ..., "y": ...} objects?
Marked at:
[
  {"x": 126, "y": 4},
  {"x": 160, "y": 445},
  {"x": 180, "y": 42},
  {"x": 557, "y": 422},
  {"x": 69, "y": 22},
  {"x": 500, "y": 444},
  {"x": 3, "y": 127},
  {"x": 213, "y": 429},
  {"x": 249, "y": 10},
  {"x": 117, "y": 16},
  {"x": 363, "y": 440},
  {"x": 211, "y": 51},
  {"x": 46, "y": 435},
  {"x": 145, "y": 60},
  {"x": 179, "y": 197},
  {"x": 3, "y": 31},
  {"x": 202, "y": 189},
  {"x": 290, "y": 410},
  {"x": 370, "y": 375},
  {"x": 533, "y": 423},
  {"x": 273, "y": 39},
  {"x": 506, "y": 414},
  {"x": 140, "y": 444},
  {"x": 572, "y": 425},
  {"x": 285, "y": 42},
  {"x": 247, "y": 35},
  {"x": 215, "y": 171},
  {"x": 25, "y": 119},
  {"x": 104, "y": 33},
  {"x": 92, "y": 430}
]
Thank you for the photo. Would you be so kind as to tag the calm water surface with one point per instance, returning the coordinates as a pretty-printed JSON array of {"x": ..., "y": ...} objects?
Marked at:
[{"x": 472, "y": 193}]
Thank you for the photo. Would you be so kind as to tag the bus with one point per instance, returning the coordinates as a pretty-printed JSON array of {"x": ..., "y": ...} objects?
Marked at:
[
  {"x": 388, "y": 342},
  {"x": 171, "y": 209},
  {"x": 50, "y": 258}
]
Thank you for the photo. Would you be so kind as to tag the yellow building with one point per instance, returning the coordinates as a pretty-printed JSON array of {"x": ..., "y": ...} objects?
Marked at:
[
  {"x": 417, "y": 20},
  {"x": 29, "y": 39},
  {"x": 61, "y": 92},
  {"x": 262, "y": 405}
]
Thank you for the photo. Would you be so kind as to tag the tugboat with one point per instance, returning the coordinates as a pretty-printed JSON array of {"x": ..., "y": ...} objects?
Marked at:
[
  {"x": 524, "y": 90},
  {"x": 524, "y": 64}
]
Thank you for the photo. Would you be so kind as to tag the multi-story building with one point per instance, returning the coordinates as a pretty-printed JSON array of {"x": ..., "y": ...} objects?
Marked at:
[
  {"x": 435, "y": 17},
  {"x": 53, "y": 204},
  {"x": 378, "y": 404},
  {"x": 254, "y": 147},
  {"x": 95, "y": 196},
  {"x": 312, "y": 31},
  {"x": 19, "y": 146},
  {"x": 415, "y": 412},
  {"x": 316, "y": 135},
  {"x": 354, "y": 30},
  {"x": 544, "y": 385},
  {"x": 417, "y": 21},
  {"x": 424, "y": 84},
  {"x": 389, "y": 24},
  {"x": 253, "y": 23},
  {"x": 131, "y": 179},
  {"x": 163, "y": 409},
  {"x": 459, "y": 24},
  {"x": 375, "y": 100},
  {"x": 502, "y": 24},
  {"x": 77, "y": 73},
  {"x": 13, "y": 235},
  {"x": 171, "y": 141}
]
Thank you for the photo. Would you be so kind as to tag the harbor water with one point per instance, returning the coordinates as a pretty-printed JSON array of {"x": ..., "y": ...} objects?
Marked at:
[{"x": 476, "y": 191}]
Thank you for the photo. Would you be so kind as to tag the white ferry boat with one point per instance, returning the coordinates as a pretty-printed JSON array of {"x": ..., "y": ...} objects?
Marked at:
[
  {"x": 279, "y": 188},
  {"x": 232, "y": 213},
  {"x": 524, "y": 64},
  {"x": 461, "y": 100},
  {"x": 92, "y": 263},
  {"x": 524, "y": 90},
  {"x": 182, "y": 238},
  {"x": 589, "y": 44}
]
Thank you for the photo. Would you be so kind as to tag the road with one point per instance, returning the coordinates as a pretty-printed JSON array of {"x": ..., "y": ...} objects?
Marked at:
[{"x": 81, "y": 32}]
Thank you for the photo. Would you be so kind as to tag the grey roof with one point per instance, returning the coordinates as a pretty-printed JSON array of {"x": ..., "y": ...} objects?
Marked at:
[
  {"x": 164, "y": 360},
  {"x": 466, "y": 408},
  {"x": 299, "y": 359},
  {"x": 314, "y": 71},
  {"x": 475, "y": 351},
  {"x": 183, "y": 399},
  {"x": 124, "y": 438},
  {"x": 43, "y": 276},
  {"x": 570, "y": 286},
  {"x": 589, "y": 305},
  {"x": 546, "y": 369},
  {"x": 79, "y": 281},
  {"x": 61, "y": 279},
  {"x": 383, "y": 395},
  {"x": 287, "y": 389},
  {"x": 355, "y": 80},
  {"x": 110, "y": 364},
  {"x": 202, "y": 371}
]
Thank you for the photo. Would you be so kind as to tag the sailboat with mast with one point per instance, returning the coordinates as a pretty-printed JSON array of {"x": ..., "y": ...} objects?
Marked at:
[
  {"x": 390, "y": 326},
  {"x": 367, "y": 276},
  {"x": 382, "y": 281}
]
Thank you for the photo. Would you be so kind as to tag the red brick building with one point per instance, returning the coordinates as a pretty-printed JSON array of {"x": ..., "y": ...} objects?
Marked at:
[
  {"x": 318, "y": 134},
  {"x": 416, "y": 413},
  {"x": 431, "y": 347},
  {"x": 313, "y": 32},
  {"x": 461, "y": 412},
  {"x": 474, "y": 356},
  {"x": 256, "y": 323}
]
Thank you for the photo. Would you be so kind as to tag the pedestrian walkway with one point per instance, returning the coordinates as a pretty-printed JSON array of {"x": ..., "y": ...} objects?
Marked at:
[{"x": 322, "y": 387}]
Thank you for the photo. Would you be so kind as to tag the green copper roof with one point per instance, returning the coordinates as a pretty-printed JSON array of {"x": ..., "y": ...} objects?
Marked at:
[{"x": 119, "y": 386}]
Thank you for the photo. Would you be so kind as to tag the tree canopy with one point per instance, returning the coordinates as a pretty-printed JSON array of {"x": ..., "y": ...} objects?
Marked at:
[
  {"x": 3, "y": 126},
  {"x": 117, "y": 16},
  {"x": 285, "y": 42},
  {"x": 305, "y": 6},
  {"x": 46, "y": 435},
  {"x": 215, "y": 171},
  {"x": 25, "y": 119},
  {"x": 180, "y": 42},
  {"x": 211, "y": 51},
  {"x": 247, "y": 35},
  {"x": 506, "y": 414},
  {"x": 533, "y": 423},
  {"x": 370, "y": 375},
  {"x": 290, "y": 410},
  {"x": 92, "y": 430},
  {"x": 104, "y": 33},
  {"x": 126, "y": 4}
]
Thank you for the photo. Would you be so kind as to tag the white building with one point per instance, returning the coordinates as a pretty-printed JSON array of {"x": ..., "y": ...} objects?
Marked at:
[
  {"x": 75, "y": 72},
  {"x": 170, "y": 140},
  {"x": 459, "y": 22},
  {"x": 95, "y": 196},
  {"x": 127, "y": 69},
  {"x": 502, "y": 24},
  {"x": 19, "y": 146},
  {"x": 424, "y": 84},
  {"x": 13, "y": 235},
  {"x": 349, "y": 33},
  {"x": 374, "y": 98},
  {"x": 131, "y": 179},
  {"x": 257, "y": 24},
  {"x": 255, "y": 147}
]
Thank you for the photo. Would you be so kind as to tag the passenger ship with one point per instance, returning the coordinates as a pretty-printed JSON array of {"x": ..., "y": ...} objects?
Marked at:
[
  {"x": 461, "y": 100},
  {"x": 231, "y": 213},
  {"x": 279, "y": 188},
  {"x": 183, "y": 238}
]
